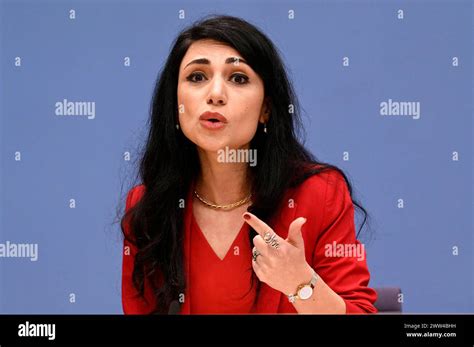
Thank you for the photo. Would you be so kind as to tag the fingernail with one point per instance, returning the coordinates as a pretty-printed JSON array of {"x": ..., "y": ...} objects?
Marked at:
[{"x": 246, "y": 216}]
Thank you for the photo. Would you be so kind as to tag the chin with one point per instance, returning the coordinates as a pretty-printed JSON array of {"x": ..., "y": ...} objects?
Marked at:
[
  {"x": 211, "y": 147},
  {"x": 207, "y": 144},
  {"x": 213, "y": 143}
]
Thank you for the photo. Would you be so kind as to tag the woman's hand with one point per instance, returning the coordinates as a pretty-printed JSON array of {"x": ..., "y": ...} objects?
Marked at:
[{"x": 283, "y": 268}]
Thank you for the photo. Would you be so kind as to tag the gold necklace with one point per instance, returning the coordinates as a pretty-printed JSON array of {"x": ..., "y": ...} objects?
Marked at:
[{"x": 223, "y": 207}]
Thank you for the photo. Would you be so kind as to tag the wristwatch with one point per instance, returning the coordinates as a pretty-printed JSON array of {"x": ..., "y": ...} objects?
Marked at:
[{"x": 305, "y": 290}]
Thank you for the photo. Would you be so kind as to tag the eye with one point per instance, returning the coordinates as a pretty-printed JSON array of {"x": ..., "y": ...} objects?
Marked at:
[
  {"x": 240, "y": 79},
  {"x": 195, "y": 77}
]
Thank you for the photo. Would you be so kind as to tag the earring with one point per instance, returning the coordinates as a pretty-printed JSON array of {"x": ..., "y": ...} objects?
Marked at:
[
  {"x": 177, "y": 126},
  {"x": 265, "y": 128}
]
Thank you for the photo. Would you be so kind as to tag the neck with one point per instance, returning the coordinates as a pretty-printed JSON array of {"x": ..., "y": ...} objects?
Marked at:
[{"x": 221, "y": 183}]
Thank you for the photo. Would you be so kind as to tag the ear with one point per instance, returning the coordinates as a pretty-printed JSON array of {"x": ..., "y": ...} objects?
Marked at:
[{"x": 265, "y": 114}]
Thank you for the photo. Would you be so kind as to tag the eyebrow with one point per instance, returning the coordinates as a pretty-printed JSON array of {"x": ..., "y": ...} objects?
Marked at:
[{"x": 206, "y": 61}]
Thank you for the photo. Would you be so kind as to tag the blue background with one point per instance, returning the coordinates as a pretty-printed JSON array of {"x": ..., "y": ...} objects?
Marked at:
[{"x": 391, "y": 157}]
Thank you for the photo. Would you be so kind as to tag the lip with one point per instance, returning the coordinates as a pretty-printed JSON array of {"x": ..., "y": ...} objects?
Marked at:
[
  {"x": 219, "y": 120},
  {"x": 213, "y": 115}
]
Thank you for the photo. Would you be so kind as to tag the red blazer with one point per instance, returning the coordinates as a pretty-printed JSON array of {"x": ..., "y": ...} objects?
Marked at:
[{"x": 325, "y": 201}]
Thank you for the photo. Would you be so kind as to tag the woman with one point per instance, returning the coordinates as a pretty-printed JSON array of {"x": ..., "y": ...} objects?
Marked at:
[{"x": 233, "y": 214}]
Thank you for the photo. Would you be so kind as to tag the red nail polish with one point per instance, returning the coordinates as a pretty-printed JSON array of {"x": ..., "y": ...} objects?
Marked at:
[{"x": 246, "y": 216}]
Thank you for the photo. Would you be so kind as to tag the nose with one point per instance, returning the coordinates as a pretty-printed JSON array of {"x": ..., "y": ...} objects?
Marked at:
[{"x": 217, "y": 95}]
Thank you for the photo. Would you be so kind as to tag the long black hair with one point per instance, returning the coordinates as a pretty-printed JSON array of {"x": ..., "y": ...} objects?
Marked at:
[{"x": 169, "y": 162}]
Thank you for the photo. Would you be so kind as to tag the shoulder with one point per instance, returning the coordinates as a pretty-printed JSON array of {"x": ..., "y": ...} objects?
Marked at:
[
  {"x": 134, "y": 195},
  {"x": 321, "y": 196},
  {"x": 322, "y": 185}
]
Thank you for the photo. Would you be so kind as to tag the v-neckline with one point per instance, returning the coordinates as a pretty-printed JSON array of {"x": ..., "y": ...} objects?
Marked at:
[{"x": 207, "y": 242}]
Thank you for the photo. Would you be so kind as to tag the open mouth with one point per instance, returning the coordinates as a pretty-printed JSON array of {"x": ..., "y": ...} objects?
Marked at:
[
  {"x": 212, "y": 120},
  {"x": 212, "y": 124}
]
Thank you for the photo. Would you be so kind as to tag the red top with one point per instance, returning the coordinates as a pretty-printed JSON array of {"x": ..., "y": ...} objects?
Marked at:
[{"x": 222, "y": 286}]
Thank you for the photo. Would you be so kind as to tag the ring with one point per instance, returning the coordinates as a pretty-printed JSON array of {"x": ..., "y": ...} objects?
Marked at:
[
  {"x": 270, "y": 238},
  {"x": 255, "y": 254}
]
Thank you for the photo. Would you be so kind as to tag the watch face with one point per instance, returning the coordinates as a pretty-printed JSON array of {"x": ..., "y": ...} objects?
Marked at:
[{"x": 305, "y": 292}]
